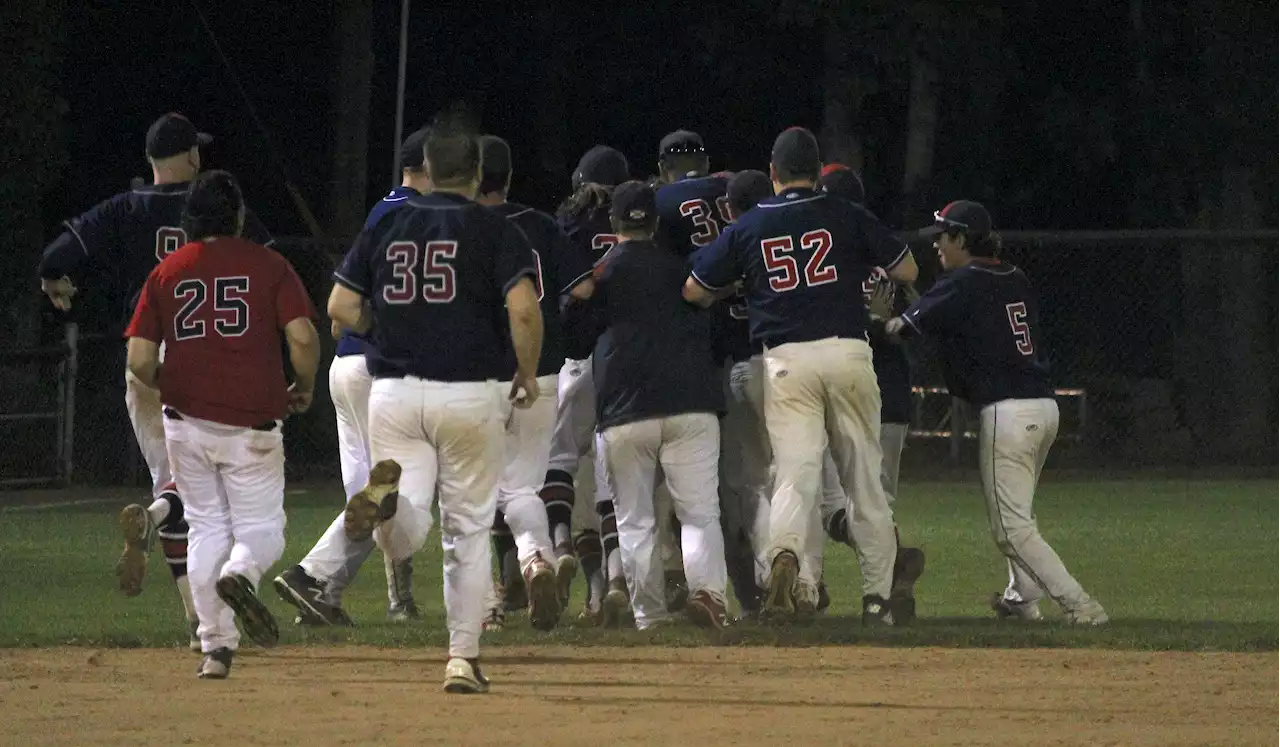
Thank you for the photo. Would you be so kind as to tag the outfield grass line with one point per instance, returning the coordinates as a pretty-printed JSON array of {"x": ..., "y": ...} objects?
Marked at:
[{"x": 52, "y": 506}]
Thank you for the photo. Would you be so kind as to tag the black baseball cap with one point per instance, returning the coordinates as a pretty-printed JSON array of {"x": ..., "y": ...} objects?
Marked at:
[
  {"x": 796, "y": 152},
  {"x": 965, "y": 216},
  {"x": 173, "y": 134},
  {"x": 842, "y": 181},
  {"x": 602, "y": 165},
  {"x": 413, "y": 151},
  {"x": 634, "y": 204},
  {"x": 747, "y": 189},
  {"x": 495, "y": 163},
  {"x": 681, "y": 142}
]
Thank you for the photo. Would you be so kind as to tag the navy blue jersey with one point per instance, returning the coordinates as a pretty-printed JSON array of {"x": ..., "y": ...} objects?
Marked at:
[
  {"x": 986, "y": 320},
  {"x": 692, "y": 212},
  {"x": 654, "y": 358},
  {"x": 437, "y": 271},
  {"x": 351, "y": 343},
  {"x": 125, "y": 237},
  {"x": 802, "y": 256},
  {"x": 556, "y": 265},
  {"x": 590, "y": 236},
  {"x": 731, "y": 331}
]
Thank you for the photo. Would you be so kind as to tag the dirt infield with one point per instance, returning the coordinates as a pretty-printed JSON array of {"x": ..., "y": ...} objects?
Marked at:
[{"x": 642, "y": 696}]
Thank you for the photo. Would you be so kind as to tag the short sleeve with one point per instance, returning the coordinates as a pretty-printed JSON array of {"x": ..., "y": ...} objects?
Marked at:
[
  {"x": 356, "y": 270},
  {"x": 292, "y": 301},
  {"x": 884, "y": 248},
  {"x": 716, "y": 265},
  {"x": 88, "y": 235},
  {"x": 942, "y": 307},
  {"x": 513, "y": 256},
  {"x": 146, "y": 322}
]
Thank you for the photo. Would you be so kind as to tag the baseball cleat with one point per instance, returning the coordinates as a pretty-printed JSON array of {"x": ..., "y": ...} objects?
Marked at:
[
  {"x": 779, "y": 600},
  {"x": 375, "y": 503},
  {"x": 254, "y": 617},
  {"x": 824, "y": 597},
  {"x": 677, "y": 591},
  {"x": 876, "y": 612},
  {"x": 616, "y": 602},
  {"x": 1089, "y": 613},
  {"x": 216, "y": 664},
  {"x": 139, "y": 538},
  {"x": 908, "y": 567},
  {"x": 299, "y": 589},
  {"x": 707, "y": 612},
  {"x": 566, "y": 569},
  {"x": 193, "y": 641},
  {"x": 463, "y": 677},
  {"x": 403, "y": 612},
  {"x": 495, "y": 620},
  {"x": 806, "y": 601},
  {"x": 544, "y": 594},
  {"x": 1006, "y": 609}
]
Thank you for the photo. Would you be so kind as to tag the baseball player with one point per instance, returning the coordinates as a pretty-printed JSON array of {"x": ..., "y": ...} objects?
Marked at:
[
  {"x": 657, "y": 401},
  {"x": 431, "y": 281},
  {"x": 219, "y": 304},
  {"x": 802, "y": 257},
  {"x": 986, "y": 318},
  {"x": 893, "y": 375},
  {"x": 528, "y": 438},
  {"x": 584, "y": 217},
  {"x": 316, "y": 584},
  {"x": 119, "y": 242}
]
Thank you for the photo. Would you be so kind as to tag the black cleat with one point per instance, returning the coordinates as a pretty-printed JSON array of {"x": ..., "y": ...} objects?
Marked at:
[
  {"x": 255, "y": 619},
  {"x": 216, "y": 664},
  {"x": 876, "y": 612},
  {"x": 298, "y": 588},
  {"x": 908, "y": 566}
]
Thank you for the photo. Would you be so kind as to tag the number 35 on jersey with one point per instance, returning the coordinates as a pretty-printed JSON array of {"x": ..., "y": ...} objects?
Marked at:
[{"x": 426, "y": 272}]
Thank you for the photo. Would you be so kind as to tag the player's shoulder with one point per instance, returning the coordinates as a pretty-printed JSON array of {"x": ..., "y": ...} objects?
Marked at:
[{"x": 526, "y": 216}]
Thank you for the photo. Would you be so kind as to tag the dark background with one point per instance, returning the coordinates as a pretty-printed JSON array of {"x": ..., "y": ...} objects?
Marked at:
[{"x": 1084, "y": 115}]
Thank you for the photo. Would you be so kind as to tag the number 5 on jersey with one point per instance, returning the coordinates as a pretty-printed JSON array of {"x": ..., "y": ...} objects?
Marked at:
[{"x": 1017, "y": 313}]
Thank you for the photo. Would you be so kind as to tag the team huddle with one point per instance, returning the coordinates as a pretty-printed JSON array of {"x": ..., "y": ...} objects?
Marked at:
[{"x": 671, "y": 388}]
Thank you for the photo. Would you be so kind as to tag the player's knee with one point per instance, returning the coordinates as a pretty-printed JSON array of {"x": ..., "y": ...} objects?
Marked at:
[{"x": 701, "y": 514}]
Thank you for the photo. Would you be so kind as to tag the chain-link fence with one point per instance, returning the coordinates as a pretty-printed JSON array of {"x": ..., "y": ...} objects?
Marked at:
[{"x": 1163, "y": 346}]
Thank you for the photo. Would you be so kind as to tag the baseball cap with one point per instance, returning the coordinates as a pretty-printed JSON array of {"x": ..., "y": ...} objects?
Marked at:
[
  {"x": 495, "y": 163},
  {"x": 413, "y": 151},
  {"x": 747, "y": 189},
  {"x": 796, "y": 151},
  {"x": 963, "y": 215},
  {"x": 602, "y": 165},
  {"x": 173, "y": 134},
  {"x": 681, "y": 142},
  {"x": 842, "y": 181},
  {"x": 634, "y": 204}
]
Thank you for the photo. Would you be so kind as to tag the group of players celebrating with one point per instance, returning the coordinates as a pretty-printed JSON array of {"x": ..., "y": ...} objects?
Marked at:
[{"x": 720, "y": 354}]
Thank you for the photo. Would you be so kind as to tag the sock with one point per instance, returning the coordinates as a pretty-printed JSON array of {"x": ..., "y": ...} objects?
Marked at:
[
  {"x": 558, "y": 496},
  {"x": 160, "y": 507},
  {"x": 838, "y": 527},
  {"x": 609, "y": 539},
  {"x": 503, "y": 542},
  {"x": 172, "y": 531},
  {"x": 614, "y": 564}
]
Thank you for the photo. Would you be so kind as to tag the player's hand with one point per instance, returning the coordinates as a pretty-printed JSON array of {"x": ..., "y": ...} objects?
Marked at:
[
  {"x": 524, "y": 390},
  {"x": 59, "y": 291},
  {"x": 893, "y": 327},
  {"x": 299, "y": 401},
  {"x": 880, "y": 302}
]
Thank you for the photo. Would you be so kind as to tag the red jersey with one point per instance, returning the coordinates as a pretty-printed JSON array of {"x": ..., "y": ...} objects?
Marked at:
[{"x": 219, "y": 307}]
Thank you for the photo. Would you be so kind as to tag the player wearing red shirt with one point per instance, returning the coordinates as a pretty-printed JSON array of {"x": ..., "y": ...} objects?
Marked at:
[{"x": 218, "y": 304}]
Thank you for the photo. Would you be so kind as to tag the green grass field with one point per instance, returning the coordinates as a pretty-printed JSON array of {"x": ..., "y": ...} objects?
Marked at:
[{"x": 1180, "y": 565}]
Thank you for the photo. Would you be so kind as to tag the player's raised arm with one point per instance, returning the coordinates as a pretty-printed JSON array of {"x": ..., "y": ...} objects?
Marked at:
[{"x": 715, "y": 272}]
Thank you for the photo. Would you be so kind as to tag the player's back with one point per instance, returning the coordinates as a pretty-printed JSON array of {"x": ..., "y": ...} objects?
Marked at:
[
  {"x": 550, "y": 247},
  {"x": 692, "y": 212},
  {"x": 805, "y": 257},
  {"x": 993, "y": 349},
  {"x": 438, "y": 300},
  {"x": 228, "y": 300},
  {"x": 590, "y": 236}
]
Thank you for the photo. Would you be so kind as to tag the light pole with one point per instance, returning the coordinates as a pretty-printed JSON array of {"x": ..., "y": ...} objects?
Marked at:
[{"x": 404, "y": 53}]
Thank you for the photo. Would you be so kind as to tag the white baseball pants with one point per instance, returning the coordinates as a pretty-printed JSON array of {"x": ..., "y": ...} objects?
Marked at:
[
  {"x": 1015, "y": 438},
  {"x": 143, "y": 404},
  {"x": 575, "y": 419},
  {"x": 822, "y": 393},
  {"x": 892, "y": 438},
  {"x": 447, "y": 437},
  {"x": 232, "y": 483},
  {"x": 527, "y": 447},
  {"x": 688, "y": 449}
]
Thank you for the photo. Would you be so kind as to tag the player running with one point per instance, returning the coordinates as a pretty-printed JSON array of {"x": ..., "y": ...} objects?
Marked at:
[
  {"x": 528, "y": 431},
  {"x": 316, "y": 584},
  {"x": 802, "y": 257},
  {"x": 432, "y": 281},
  {"x": 987, "y": 319},
  {"x": 219, "y": 305},
  {"x": 123, "y": 239},
  {"x": 657, "y": 400}
]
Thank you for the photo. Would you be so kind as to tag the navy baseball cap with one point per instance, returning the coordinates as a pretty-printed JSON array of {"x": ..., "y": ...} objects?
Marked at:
[
  {"x": 747, "y": 189},
  {"x": 602, "y": 165},
  {"x": 965, "y": 216},
  {"x": 681, "y": 142},
  {"x": 842, "y": 181},
  {"x": 413, "y": 151},
  {"x": 634, "y": 204},
  {"x": 796, "y": 151},
  {"x": 495, "y": 164},
  {"x": 173, "y": 134}
]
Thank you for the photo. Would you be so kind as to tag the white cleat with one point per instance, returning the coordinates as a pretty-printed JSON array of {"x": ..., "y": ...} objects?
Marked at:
[
  {"x": 1007, "y": 609},
  {"x": 463, "y": 677},
  {"x": 1089, "y": 613}
]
